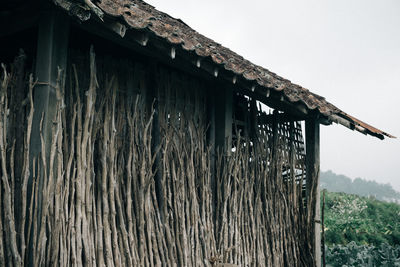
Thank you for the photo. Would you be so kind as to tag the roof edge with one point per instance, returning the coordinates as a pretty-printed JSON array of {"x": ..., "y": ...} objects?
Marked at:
[
  {"x": 137, "y": 15},
  {"x": 355, "y": 124}
]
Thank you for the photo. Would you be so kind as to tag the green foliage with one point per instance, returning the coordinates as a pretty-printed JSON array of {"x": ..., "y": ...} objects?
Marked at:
[
  {"x": 361, "y": 231},
  {"x": 366, "y": 221},
  {"x": 363, "y": 255}
]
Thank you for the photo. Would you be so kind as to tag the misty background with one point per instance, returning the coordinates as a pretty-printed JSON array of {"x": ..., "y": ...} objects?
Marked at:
[{"x": 345, "y": 50}]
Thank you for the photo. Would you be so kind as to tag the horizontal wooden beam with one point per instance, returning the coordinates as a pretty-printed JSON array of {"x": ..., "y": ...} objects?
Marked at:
[
  {"x": 175, "y": 56},
  {"x": 274, "y": 101},
  {"x": 116, "y": 27},
  {"x": 268, "y": 96},
  {"x": 324, "y": 120},
  {"x": 281, "y": 117}
]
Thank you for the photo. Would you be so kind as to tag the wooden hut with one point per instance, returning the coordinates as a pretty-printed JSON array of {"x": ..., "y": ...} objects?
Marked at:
[{"x": 129, "y": 139}]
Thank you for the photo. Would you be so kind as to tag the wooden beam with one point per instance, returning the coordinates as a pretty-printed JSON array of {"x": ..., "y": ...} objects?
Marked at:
[
  {"x": 325, "y": 120},
  {"x": 211, "y": 142},
  {"x": 152, "y": 85},
  {"x": 223, "y": 118},
  {"x": 52, "y": 48},
  {"x": 313, "y": 181},
  {"x": 147, "y": 45},
  {"x": 211, "y": 119},
  {"x": 207, "y": 68},
  {"x": 272, "y": 100},
  {"x": 116, "y": 27},
  {"x": 282, "y": 117}
]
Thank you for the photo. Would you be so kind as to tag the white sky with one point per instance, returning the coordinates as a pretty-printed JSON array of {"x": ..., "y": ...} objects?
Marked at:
[{"x": 345, "y": 50}]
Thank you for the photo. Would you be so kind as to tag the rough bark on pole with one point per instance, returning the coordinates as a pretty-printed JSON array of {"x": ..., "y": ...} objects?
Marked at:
[{"x": 313, "y": 192}]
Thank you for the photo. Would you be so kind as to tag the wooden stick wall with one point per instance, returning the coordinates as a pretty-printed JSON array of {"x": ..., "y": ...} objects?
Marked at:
[{"x": 99, "y": 205}]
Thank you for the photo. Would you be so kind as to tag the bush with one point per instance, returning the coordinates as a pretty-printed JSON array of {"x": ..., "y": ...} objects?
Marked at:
[
  {"x": 366, "y": 221},
  {"x": 353, "y": 255},
  {"x": 361, "y": 231}
]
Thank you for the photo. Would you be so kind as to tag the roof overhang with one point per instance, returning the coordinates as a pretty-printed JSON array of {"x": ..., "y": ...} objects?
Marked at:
[{"x": 140, "y": 22}]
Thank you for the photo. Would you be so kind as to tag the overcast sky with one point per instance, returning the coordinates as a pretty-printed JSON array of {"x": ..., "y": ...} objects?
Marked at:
[{"x": 345, "y": 50}]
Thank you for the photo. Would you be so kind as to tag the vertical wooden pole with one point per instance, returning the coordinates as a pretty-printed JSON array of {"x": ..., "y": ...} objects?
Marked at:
[
  {"x": 211, "y": 142},
  {"x": 52, "y": 48},
  {"x": 323, "y": 229},
  {"x": 312, "y": 167},
  {"x": 153, "y": 103},
  {"x": 223, "y": 118},
  {"x": 253, "y": 124},
  {"x": 211, "y": 120}
]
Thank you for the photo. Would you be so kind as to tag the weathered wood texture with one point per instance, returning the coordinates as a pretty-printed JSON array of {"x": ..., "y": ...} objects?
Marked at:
[
  {"x": 51, "y": 57},
  {"x": 223, "y": 117},
  {"x": 313, "y": 181},
  {"x": 99, "y": 198}
]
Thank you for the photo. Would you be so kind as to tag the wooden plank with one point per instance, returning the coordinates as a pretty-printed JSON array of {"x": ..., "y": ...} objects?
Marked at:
[{"x": 313, "y": 181}]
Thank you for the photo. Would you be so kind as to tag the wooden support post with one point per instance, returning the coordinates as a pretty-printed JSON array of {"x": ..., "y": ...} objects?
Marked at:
[
  {"x": 313, "y": 192},
  {"x": 211, "y": 143},
  {"x": 253, "y": 123},
  {"x": 211, "y": 120},
  {"x": 223, "y": 118},
  {"x": 323, "y": 230},
  {"x": 153, "y": 103},
  {"x": 52, "y": 48}
]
